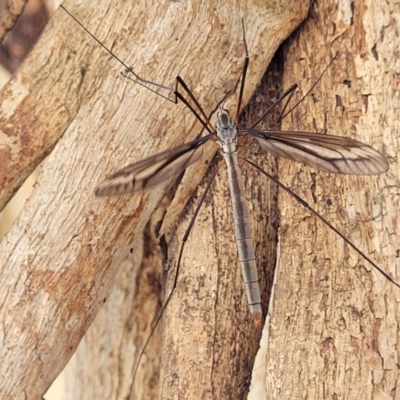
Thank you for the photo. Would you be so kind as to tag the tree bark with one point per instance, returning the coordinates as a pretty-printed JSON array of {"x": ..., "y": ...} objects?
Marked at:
[
  {"x": 10, "y": 12},
  {"x": 334, "y": 324},
  {"x": 60, "y": 258}
]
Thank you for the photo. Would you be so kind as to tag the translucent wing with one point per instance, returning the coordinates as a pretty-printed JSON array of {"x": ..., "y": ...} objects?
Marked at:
[
  {"x": 152, "y": 170},
  {"x": 336, "y": 154}
]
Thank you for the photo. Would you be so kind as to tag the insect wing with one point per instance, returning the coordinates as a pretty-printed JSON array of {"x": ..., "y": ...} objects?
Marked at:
[
  {"x": 327, "y": 153},
  {"x": 152, "y": 170}
]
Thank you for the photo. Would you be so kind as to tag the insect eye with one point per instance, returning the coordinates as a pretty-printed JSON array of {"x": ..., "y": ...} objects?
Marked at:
[{"x": 224, "y": 120}]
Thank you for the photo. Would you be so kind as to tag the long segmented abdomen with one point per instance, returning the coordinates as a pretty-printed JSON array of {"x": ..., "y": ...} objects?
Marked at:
[{"x": 244, "y": 239}]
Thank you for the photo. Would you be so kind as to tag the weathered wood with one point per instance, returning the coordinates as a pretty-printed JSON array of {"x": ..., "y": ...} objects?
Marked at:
[
  {"x": 333, "y": 331},
  {"x": 60, "y": 258},
  {"x": 9, "y": 14}
]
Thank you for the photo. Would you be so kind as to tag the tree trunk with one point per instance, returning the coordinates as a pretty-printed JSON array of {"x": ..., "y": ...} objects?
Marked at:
[
  {"x": 60, "y": 258},
  {"x": 334, "y": 324}
]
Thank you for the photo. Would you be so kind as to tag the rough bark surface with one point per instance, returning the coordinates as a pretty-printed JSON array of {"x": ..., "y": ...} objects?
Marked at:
[
  {"x": 10, "y": 12},
  {"x": 335, "y": 321},
  {"x": 60, "y": 258}
]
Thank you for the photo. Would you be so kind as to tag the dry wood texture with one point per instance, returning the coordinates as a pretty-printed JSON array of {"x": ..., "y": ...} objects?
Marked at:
[
  {"x": 60, "y": 258},
  {"x": 10, "y": 12},
  {"x": 334, "y": 325}
]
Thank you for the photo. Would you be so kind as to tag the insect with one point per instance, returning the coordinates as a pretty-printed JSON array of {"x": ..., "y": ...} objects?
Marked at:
[{"x": 326, "y": 153}]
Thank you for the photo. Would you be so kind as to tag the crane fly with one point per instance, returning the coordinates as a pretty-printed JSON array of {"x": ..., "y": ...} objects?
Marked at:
[{"x": 326, "y": 153}]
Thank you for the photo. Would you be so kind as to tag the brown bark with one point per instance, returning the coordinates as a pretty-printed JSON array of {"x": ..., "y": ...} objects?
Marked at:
[
  {"x": 10, "y": 12},
  {"x": 334, "y": 329},
  {"x": 60, "y": 258}
]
